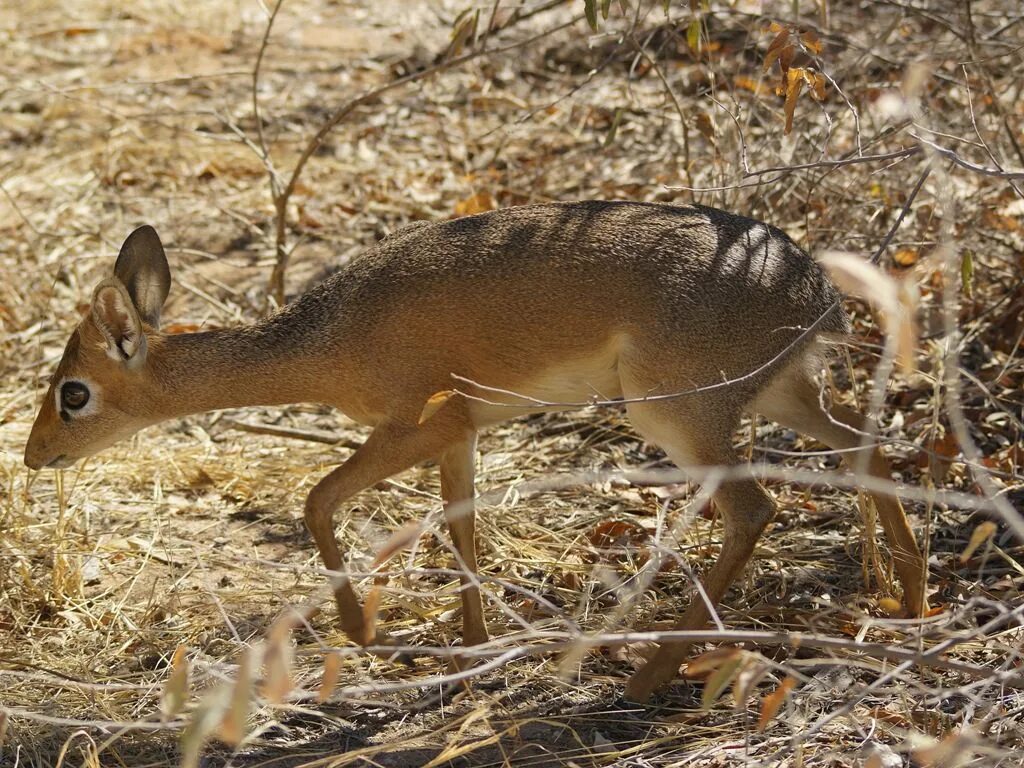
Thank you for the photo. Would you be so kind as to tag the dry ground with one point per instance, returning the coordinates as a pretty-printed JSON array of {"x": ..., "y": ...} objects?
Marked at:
[{"x": 190, "y": 534}]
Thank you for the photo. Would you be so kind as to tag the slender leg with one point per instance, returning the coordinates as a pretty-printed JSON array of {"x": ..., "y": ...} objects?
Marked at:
[
  {"x": 457, "y": 471},
  {"x": 391, "y": 448},
  {"x": 746, "y": 509},
  {"x": 911, "y": 567},
  {"x": 795, "y": 403}
]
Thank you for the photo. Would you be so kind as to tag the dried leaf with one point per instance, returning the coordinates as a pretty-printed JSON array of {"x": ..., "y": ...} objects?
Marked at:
[
  {"x": 794, "y": 84},
  {"x": 463, "y": 31},
  {"x": 982, "y": 533},
  {"x": 371, "y": 610},
  {"x": 176, "y": 328},
  {"x": 615, "y": 539},
  {"x": 894, "y": 301},
  {"x": 772, "y": 703},
  {"x": 967, "y": 273},
  {"x": 398, "y": 541},
  {"x": 478, "y": 203},
  {"x": 176, "y": 691},
  {"x": 232, "y": 725},
  {"x": 434, "y": 403},
  {"x": 906, "y": 257},
  {"x": 721, "y": 679},
  {"x": 693, "y": 35},
  {"x": 811, "y": 41},
  {"x": 955, "y": 750},
  {"x": 777, "y": 48},
  {"x": 277, "y": 665},
  {"x": 712, "y": 660},
  {"x": 890, "y": 606},
  {"x": 616, "y": 119},
  {"x": 816, "y": 83},
  {"x": 204, "y": 721},
  {"x": 750, "y": 676},
  {"x": 590, "y": 9},
  {"x": 749, "y": 84},
  {"x": 706, "y": 128},
  {"x": 332, "y": 666},
  {"x": 941, "y": 453}
]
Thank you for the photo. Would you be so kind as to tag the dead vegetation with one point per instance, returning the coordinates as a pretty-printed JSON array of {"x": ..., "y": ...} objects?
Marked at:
[{"x": 139, "y": 591}]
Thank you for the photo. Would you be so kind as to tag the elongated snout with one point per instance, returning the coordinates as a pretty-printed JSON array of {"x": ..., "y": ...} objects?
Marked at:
[
  {"x": 39, "y": 461},
  {"x": 39, "y": 455}
]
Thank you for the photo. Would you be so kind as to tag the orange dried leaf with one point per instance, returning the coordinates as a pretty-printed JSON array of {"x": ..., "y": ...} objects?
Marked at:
[
  {"x": 811, "y": 41},
  {"x": 332, "y": 666},
  {"x": 706, "y": 128},
  {"x": 478, "y": 203},
  {"x": 944, "y": 450},
  {"x": 176, "y": 691},
  {"x": 777, "y": 48},
  {"x": 232, "y": 727},
  {"x": 434, "y": 403},
  {"x": 906, "y": 257},
  {"x": 371, "y": 610},
  {"x": 794, "y": 84},
  {"x": 749, "y": 677},
  {"x": 203, "y": 721},
  {"x": 980, "y": 535},
  {"x": 175, "y": 328},
  {"x": 398, "y": 541},
  {"x": 712, "y": 660},
  {"x": 721, "y": 679},
  {"x": 816, "y": 82},
  {"x": 277, "y": 664},
  {"x": 772, "y": 703},
  {"x": 906, "y": 329},
  {"x": 749, "y": 84},
  {"x": 890, "y": 606},
  {"x": 617, "y": 533}
]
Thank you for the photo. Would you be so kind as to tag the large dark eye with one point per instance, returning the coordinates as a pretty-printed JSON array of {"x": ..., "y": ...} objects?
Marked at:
[{"x": 74, "y": 395}]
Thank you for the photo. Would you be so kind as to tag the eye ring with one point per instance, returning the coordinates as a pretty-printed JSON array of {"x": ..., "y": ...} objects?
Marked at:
[{"x": 74, "y": 395}]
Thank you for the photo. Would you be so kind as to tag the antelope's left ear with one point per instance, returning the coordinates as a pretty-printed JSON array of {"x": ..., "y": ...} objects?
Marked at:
[
  {"x": 115, "y": 315},
  {"x": 142, "y": 269}
]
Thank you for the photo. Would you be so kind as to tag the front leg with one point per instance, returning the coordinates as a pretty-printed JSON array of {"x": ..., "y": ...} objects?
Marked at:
[{"x": 392, "y": 447}]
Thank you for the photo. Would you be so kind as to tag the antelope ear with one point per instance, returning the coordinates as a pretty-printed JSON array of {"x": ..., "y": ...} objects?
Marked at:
[
  {"x": 142, "y": 268},
  {"x": 114, "y": 313}
]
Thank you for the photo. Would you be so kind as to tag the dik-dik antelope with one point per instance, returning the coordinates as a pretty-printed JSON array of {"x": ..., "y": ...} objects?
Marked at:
[{"x": 540, "y": 305}]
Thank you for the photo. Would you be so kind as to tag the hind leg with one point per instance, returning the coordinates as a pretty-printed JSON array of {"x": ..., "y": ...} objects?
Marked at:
[
  {"x": 693, "y": 436},
  {"x": 793, "y": 400},
  {"x": 457, "y": 471}
]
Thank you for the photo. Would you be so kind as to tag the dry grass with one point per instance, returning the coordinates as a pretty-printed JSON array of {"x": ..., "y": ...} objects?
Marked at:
[{"x": 190, "y": 535}]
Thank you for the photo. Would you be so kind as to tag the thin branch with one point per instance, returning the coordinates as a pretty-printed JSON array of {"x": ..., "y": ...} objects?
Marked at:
[
  {"x": 980, "y": 169},
  {"x": 275, "y": 182},
  {"x": 877, "y": 256}
]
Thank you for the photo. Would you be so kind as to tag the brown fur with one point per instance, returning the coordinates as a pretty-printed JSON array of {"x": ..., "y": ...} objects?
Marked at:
[{"x": 559, "y": 303}]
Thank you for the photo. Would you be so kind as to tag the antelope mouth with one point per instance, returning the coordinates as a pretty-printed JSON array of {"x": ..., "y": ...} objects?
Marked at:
[{"x": 60, "y": 462}]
